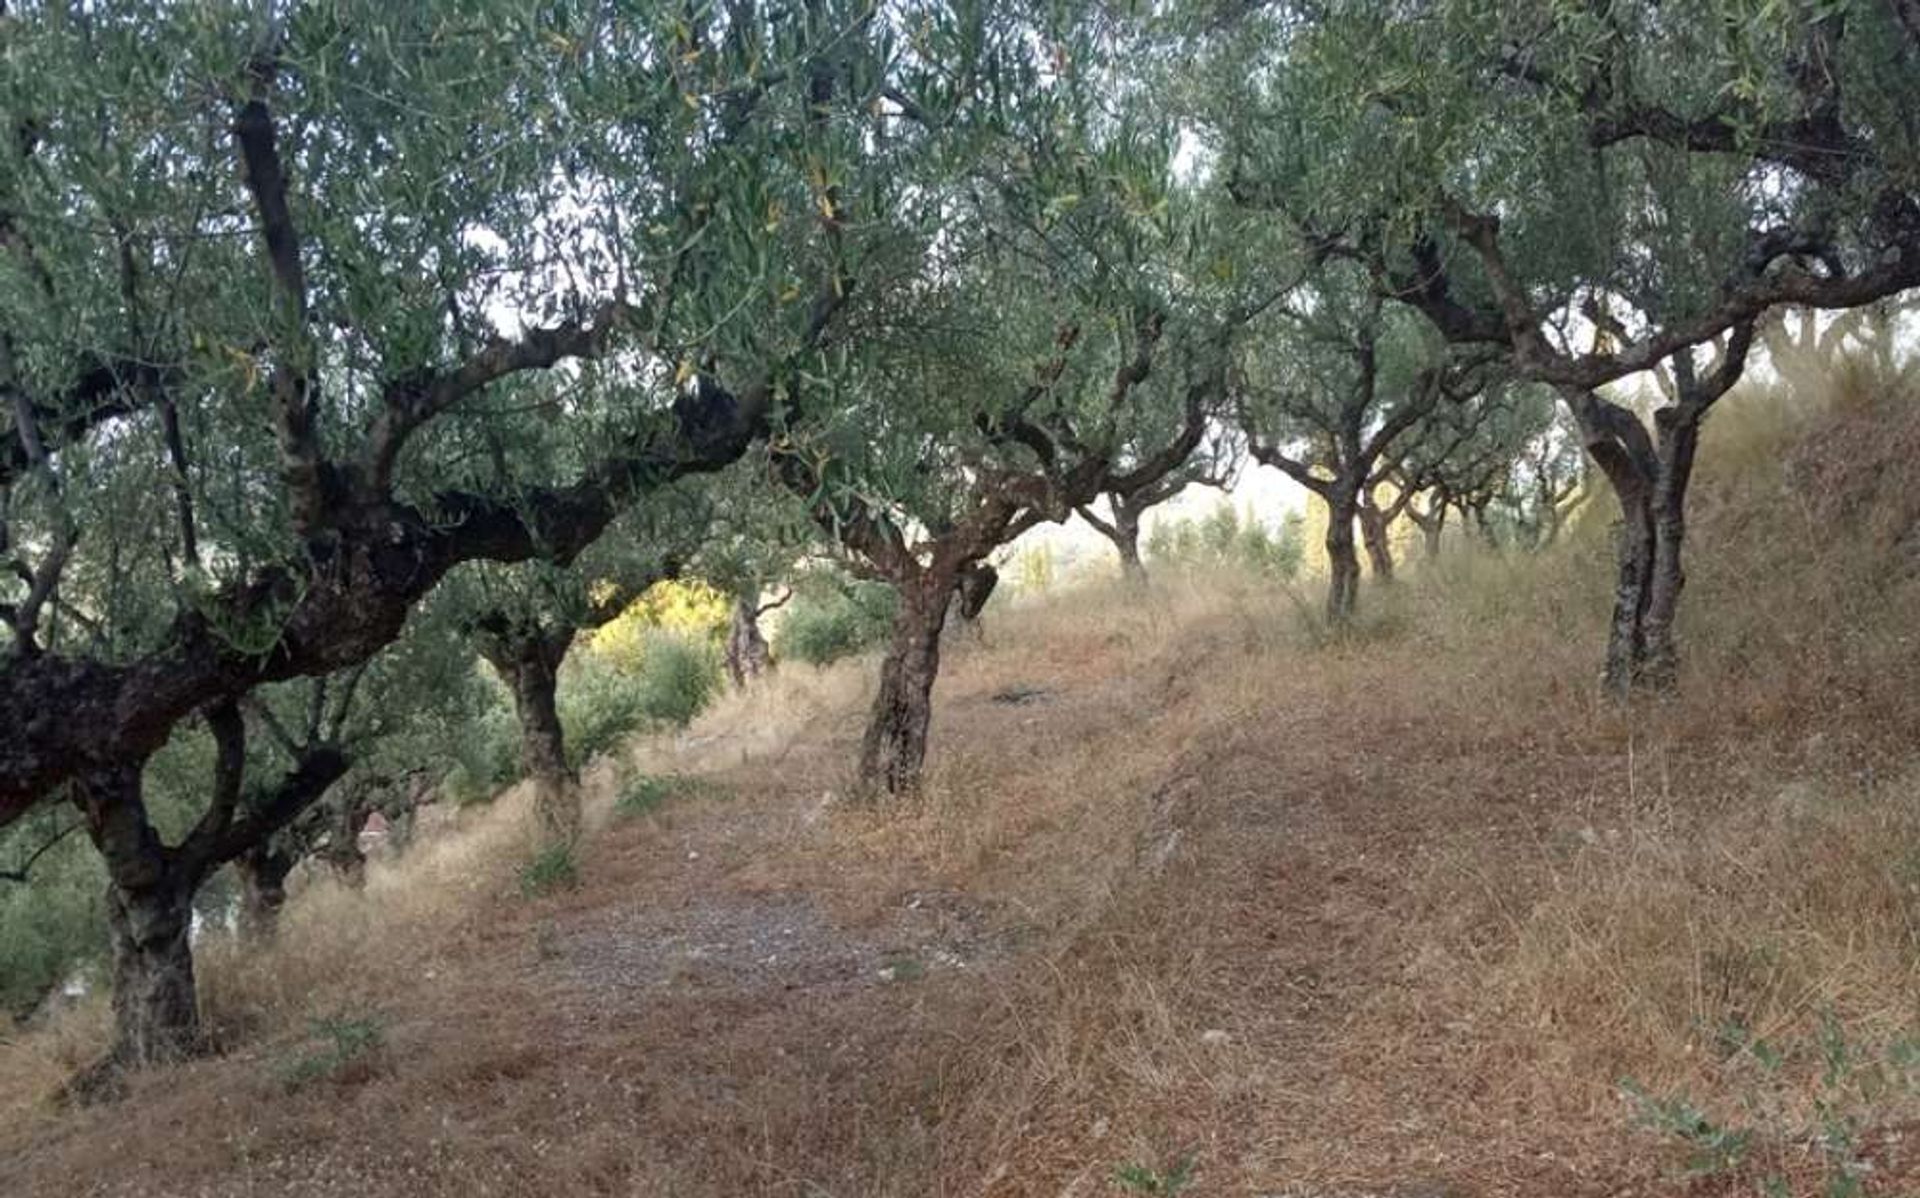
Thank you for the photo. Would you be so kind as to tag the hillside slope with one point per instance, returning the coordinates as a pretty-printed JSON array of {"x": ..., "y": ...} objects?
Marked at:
[{"x": 1192, "y": 896}]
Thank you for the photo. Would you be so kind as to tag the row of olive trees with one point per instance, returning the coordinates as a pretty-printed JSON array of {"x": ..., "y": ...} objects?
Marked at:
[
  {"x": 399, "y": 307},
  {"x": 374, "y": 294}
]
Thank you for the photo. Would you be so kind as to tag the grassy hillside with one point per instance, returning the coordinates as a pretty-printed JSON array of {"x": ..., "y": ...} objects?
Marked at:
[{"x": 1197, "y": 901}]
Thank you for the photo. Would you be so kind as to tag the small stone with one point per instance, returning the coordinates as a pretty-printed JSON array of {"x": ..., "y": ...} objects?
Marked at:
[
  {"x": 693, "y": 856},
  {"x": 1214, "y": 1035}
]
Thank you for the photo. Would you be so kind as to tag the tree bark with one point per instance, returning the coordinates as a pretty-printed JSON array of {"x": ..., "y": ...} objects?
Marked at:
[
  {"x": 747, "y": 654},
  {"x": 1125, "y": 536},
  {"x": 1343, "y": 562},
  {"x": 149, "y": 917},
  {"x": 1634, "y": 555},
  {"x": 528, "y": 661},
  {"x": 1123, "y": 532},
  {"x": 155, "y": 1012},
  {"x": 1373, "y": 528},
  {"x": 894, "y": 749},
  {"x": 1667, "y": 576}
]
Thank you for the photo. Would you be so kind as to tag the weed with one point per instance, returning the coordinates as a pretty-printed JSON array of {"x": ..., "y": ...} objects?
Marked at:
[
  {"x": 642, "y": 793},
  {"x": 1144, "y": 1179},
  {"x": 552, "y": 869},
  {"x": 1851, "y": 1081},
  {"x": 345, "y": 1052}
]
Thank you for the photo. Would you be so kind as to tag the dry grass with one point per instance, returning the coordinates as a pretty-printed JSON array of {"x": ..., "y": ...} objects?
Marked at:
[{"x": 1322, "y": 917}]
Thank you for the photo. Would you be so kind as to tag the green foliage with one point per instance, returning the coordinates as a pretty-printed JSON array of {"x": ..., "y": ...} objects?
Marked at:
[
  {"x": 679, "y": 675},
  {"x": 600, "y": 705},
  {"x": 692, "y": 608},
  {"x": 551, "y": 870},
  {"x": 831, "y": 618},
  {"x": 1144, "y": 1179},
  {"x": 1849, "y": 1081},
  {"x": 486, "y": 754},
  {"x": 641, "y": 793},
  {"x": 602, "y": 701},
  {"x": 53, "y": 923},
  {"x": 1228, "y": 537},
  {"x": 346, "y": 1050}
]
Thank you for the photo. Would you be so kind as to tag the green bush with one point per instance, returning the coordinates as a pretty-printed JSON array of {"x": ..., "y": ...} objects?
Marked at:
[
  {"x": 346, "y": 1050},
  {"x": 1227, "y": 537},
  {"x": 600, "y": 705},
  {"x": 831, "y": 620},
  {"x": 56, "y": 922},
  {"x": 679, "y": 674},
  {"x": 486, "y": 755},
  {"x": 552, "y": 869},
  {"x": 602, "y": 701},
  {"x": 641, "y": 793}
]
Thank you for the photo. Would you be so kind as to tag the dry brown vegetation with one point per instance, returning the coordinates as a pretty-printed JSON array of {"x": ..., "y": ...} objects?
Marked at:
[{"x": 1394, "y": 915}]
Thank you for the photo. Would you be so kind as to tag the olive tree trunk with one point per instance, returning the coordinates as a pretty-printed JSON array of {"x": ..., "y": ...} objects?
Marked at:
[
  {"x": 747, "y": 654},
  {"x": 1125, "y": 536},
  {"x": 529, "y": 663},
  {"x": 894, "y": 749},
  {"x": 1373, "y": 529},
  {"x": 149, "y": 919},
  {"x": 1343, "y": 560}
]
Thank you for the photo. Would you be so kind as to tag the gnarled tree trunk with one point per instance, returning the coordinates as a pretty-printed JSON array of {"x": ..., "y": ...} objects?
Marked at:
[
  {"x": 528, "y": 661},
  {"x": 1343, "y": 562},
  {"x": 1660, "y": 656},
  {"x": 149, "y": 918},
  {"x": 1649, "y": 474},
  {"x": 1373, "y": 531},
  {"x": 1125, "y": 536},
  {"x": 895, "y": 746},
  {"x": 747, "y": 654}
]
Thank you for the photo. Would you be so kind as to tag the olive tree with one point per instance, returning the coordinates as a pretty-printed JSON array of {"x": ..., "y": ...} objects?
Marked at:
[
  {"x": 273, "y": 262},
  {"x": 1594, "y": 192},
  {"x": 1341, "y": 379}
]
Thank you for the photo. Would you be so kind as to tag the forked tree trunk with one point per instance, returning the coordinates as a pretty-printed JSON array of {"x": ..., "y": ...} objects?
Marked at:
[
  {"x": 894, "y": 750},
  {"x": 1649, "y": 476},
  {"x": 747, "y": 654},
  {"x": 1122, "y": 531},
  {"x": 1373, "y": 529},
  {"x": 1433, "y": 526},
  {"x": 1343, "y": 562}
]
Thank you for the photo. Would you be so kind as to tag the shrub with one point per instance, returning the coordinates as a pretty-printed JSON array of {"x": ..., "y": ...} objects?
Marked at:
[
  {"x": 1229, "y": 537},
  {"x": 641, "y": 793},
  {"x": 486, "y": 753},
  {"x": 830, "y": 619},
  {"x": 347, "y": 1050},
  {"x": 600, "y": 705},
  {"x": 552, "y": 869},
  {"x": 53, "y": 924},
  {"x": 679, "y": 674}
]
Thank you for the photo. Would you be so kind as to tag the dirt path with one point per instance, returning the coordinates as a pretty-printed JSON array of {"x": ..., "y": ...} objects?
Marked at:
[{"x": 1146, "y": 922}]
